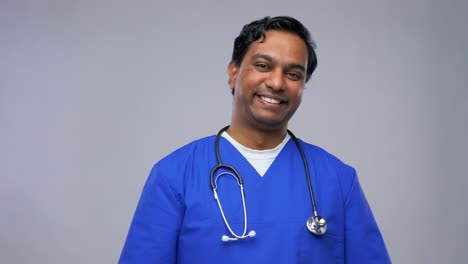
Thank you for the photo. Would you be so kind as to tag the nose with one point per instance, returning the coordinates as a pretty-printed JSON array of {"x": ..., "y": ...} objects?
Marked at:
[{"x": 275, "y": 80}]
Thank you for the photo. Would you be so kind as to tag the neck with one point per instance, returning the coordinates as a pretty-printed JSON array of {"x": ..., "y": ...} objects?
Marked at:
[{"x": 257, "y": 138}]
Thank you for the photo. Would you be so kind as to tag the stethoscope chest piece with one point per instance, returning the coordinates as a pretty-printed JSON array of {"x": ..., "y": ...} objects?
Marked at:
[{"x": 317, "y": 225}]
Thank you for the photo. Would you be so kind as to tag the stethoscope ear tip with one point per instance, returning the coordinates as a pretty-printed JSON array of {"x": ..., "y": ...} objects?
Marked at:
[{"x": 225, "y": 238}]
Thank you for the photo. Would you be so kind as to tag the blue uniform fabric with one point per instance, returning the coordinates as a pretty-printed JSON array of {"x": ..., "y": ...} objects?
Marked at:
[{"x": 177, "y": 219}]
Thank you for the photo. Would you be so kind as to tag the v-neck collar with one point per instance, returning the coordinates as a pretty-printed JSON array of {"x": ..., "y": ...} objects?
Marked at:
[
  {"x": 231, "y": 155},
  {"x": 260, "y": 160}
]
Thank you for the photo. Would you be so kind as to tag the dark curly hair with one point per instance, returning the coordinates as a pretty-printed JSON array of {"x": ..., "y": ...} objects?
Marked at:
[{"x": 257, "y": 29}]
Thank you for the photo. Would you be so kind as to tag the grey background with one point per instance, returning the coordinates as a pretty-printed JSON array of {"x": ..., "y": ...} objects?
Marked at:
[{"x": 93, "y": 93}]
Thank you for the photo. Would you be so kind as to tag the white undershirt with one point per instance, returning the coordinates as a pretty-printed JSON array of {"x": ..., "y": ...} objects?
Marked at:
[{"x": 259, "y": 159}]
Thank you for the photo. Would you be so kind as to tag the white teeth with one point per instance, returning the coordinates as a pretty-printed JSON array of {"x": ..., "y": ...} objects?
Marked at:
[{"x": 269, "y": 100}]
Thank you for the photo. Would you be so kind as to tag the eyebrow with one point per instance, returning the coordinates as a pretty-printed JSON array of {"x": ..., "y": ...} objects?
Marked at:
[{"x": 270, "y": 59}]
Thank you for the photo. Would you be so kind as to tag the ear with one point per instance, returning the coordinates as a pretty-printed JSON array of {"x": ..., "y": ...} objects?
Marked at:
[{"x": 232, "y": 71}]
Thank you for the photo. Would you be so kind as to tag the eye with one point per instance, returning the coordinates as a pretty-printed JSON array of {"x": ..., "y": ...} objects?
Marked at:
[
  {"x": 262, "y": 66},
  {"x": 294, "y": 76}
]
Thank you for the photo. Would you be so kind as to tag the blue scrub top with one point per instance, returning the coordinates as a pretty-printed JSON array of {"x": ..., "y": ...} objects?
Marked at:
[{"x": 177, "y": 219}]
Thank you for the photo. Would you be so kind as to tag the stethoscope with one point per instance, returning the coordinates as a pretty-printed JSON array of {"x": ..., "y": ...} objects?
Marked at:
[{"x": 316, "y": 224}]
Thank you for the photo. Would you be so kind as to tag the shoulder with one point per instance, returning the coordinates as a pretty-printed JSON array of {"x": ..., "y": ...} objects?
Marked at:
[
  {"x": 188, "y": 151},
  {"x": 184, "y": 157},
  {"x": 330, "y": 166},
  {"x": 171, "y": 170},
  {"x": 323, "y": 157}
]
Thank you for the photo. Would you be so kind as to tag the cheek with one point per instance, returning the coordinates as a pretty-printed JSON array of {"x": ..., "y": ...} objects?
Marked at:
[{"x": 249, "y": 78}]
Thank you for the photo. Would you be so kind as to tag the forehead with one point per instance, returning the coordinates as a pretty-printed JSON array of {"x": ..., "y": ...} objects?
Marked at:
[{"x": 282, "y": 46}]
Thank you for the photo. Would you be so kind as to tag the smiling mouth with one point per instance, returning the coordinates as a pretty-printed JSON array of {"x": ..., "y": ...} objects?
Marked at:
[{"x": 270, "y": 100}]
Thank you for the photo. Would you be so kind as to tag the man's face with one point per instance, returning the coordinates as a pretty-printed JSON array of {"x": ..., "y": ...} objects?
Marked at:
[{"x": 269, "y": 82}]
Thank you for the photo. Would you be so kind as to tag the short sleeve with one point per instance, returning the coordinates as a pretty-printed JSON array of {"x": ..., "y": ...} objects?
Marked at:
[
  {"x": 152, "y": 237},
  {"x": 363, "y": 240}
]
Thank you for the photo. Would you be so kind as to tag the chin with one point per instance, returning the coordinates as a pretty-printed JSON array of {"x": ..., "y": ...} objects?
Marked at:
[{"x": 271, "y": 125}]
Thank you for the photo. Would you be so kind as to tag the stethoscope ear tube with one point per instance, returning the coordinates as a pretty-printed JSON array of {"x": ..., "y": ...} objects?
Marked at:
[
  {"x": 220, "y": 163},
  {"x": 235, "y": 173}
]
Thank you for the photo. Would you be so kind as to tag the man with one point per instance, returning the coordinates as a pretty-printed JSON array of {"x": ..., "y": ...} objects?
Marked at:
[{"x": 181, "y": 219}]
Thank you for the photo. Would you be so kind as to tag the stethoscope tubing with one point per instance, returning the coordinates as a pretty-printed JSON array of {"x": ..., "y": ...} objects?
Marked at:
[
  {"x": 315, "y": 224},
  {"x": 306, "y": 169},
  {"x": 229, "y": 167}
]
